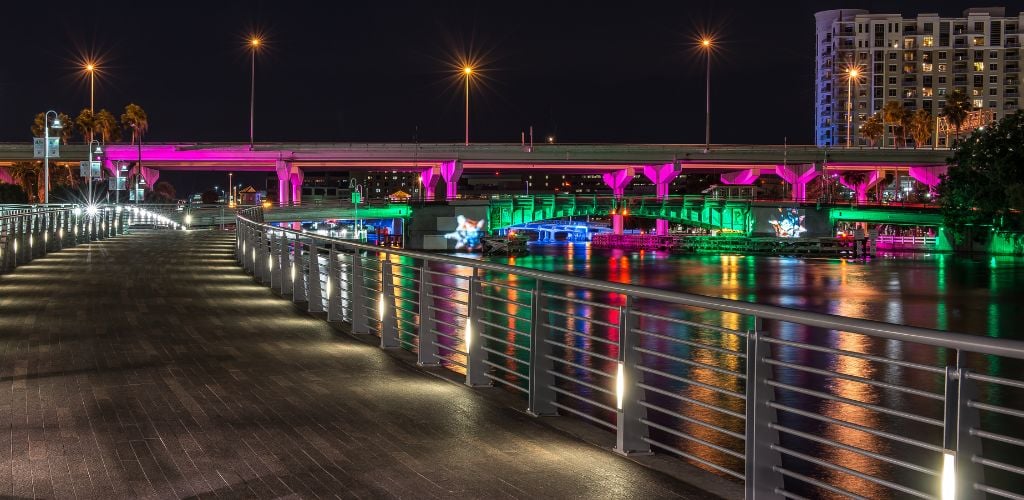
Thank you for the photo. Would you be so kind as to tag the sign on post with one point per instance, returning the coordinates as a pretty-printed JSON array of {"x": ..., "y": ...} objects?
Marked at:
[
  {"x": 116, "y": 183},
  {"x": 84, "y": 170},
  {"x": 357, "y": 197},
  {"x": 37, "y": 147}
]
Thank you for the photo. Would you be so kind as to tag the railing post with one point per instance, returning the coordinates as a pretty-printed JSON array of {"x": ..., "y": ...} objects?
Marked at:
[
  {"x": 358, "y": 295},
  {"x": 541, "y": 396},
  {"x": 959, "y": 419},
  {"x": 314, "y": 294},
  {"x": 761, "y": 479},
  {"x": 287, "y": 264},
  {"x": 301, "y": 269},
  {"x": 276, "y": 269},
  {"x": 260, "y": 267},
  {"x": 239, "y": 237},
  {"x": 426, "y": 351},
  {"x": 334, "y": 284},
  {"x": 475, "y": 353},
  {"x": 387, "y": 310},
  {"x": 629, "y": 425}
]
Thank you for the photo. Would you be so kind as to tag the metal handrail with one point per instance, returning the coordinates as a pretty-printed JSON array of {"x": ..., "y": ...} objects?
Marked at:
[
  {"x": 28, "y": 232},
  {"x": 635, "y": 380}
]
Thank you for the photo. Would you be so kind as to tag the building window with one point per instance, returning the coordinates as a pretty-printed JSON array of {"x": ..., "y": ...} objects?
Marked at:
[
  {"x": 993, "y": 55},
  {"x": 993, "y": 79},
  {"x": 892, "y": 68},
  {"x": 892, "y": 80},
  {"x": 926, "y": 92},
  {"x": 926, "y": 67},
  {"x": 993, "y": 91},
  {"x": 979, "y": 26},
  {"x": 978, "y": 41},
  {"x": 892, "y": 92},
  {"x": 942, "y": 91},
  {"x": 942, "y": 79},
  {"x": 929, "y": 28},
  {"x": 993, "y": 67},
  {"x": 979, "y": 66},
  {"x": 892, "y": 55},
  {"x": 991, "y": 104},
  {"x": 942, "y": 68},
  {"x": 928, "y": 41}
]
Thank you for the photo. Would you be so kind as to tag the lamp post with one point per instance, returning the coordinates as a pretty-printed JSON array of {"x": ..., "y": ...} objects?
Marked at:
[
  {"x": 467, "y": 73},
  {"x": 231, "y": 188},
  {"x": 851, "y": 75},
  {"x": 254, "y": 45},
  {"x": 705, "y": 44},
  {"x": 91, "y": 69},
  {"x": 98, "y": 151},
  {"x": 46, "y": 151}
]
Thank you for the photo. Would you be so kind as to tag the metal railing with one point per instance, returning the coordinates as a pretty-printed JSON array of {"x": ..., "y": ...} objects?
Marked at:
[
  {"x": 795, "y": 404},
  {"x": 28, "y": 232}
]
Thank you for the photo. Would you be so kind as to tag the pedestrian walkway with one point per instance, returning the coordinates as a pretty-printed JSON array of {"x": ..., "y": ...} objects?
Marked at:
[{"x": 150, "y": 365}]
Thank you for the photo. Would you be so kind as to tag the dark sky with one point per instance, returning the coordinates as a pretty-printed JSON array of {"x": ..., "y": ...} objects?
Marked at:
[{"x": 375, "y": 71}]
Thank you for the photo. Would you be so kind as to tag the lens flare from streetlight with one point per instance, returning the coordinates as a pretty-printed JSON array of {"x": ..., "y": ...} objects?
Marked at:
[{"x": 467, "y": 70}]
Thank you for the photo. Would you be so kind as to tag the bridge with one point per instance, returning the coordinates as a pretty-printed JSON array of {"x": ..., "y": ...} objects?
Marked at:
[
  {"x": 548, "y": 231},
  {"x": 268, "y": 362},
  {"x": 619, "y": 164}
]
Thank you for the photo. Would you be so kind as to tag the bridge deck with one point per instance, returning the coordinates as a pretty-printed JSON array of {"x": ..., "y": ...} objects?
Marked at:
[{"x": 149, "y": 365}]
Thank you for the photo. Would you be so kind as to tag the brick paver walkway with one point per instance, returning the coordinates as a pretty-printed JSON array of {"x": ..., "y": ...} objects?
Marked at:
[{"x": 150, "y": 366}]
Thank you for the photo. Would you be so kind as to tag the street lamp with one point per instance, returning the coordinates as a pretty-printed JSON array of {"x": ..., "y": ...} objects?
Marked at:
[
  {"x": 91, "y": 69},
  {"x": 231, "y": 188},
  {"x": 467, "y": 74},
  {"x": 705, "y": 44},
  {"x": 254, "y": 45},
  {"x": 851, "y": 75},
  {"x": 46, "y": 151},
  {"x": 97, "y": 151}
]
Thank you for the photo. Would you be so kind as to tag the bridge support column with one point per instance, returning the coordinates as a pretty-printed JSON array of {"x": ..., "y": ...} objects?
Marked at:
[
  {"x": 741, "y": 177},
  {"x": 296, "y": 177},
  {"x": 618, "y": 180},
  {"x": 428, "y": 179},
  {"x": 662, "y": 177},
  {"x": 860, "y": 188},
  {"x": 798, "y": 176},
  {"x": 451, "y": 171},
  {"x": 929, "y": 176},
  {"x": 284, "y": 176}
]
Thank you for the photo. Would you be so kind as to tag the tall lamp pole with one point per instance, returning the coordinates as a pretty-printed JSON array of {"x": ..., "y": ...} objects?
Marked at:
[
  {"x": 467, "y": 73},
  {"x": 254, "y": 45},
  {"x": 46, "y": 150},
  {"x": 705, "y": 44},
  {"x": 91, "y": 69},
  {"x": 851, "y": 75}
]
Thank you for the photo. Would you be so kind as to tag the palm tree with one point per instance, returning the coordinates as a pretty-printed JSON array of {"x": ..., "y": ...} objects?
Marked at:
[
  {"x": 85, "y": 122},
  {"x": 957, "y": 106},
  {"x": 891, "y": 112},
  {"x": 107, "y": 126},
  {"x": 921, "y": 127},
  {"x": 65, "y": 132},
  {"x": 872, "y": 129},
  {"x": 134, "y": 117}
]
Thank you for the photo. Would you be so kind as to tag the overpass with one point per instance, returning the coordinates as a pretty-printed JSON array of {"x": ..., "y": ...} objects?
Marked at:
[{"x": 618, "y": 163}]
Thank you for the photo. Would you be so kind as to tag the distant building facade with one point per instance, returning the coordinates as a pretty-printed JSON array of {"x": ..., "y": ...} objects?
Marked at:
[{"x": 915, "y": 61}]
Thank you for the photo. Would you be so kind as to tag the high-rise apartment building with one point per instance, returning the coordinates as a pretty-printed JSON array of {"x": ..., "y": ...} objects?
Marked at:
[{"x": 915, "y": 61}]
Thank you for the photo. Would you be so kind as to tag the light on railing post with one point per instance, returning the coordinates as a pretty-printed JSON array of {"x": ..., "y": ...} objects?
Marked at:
[
  {"x": 476, "y": 369},
  {"x": 948, "y": 475},
  {"x": 630, "y": 429},
  {"x": 620, "y": 386}
]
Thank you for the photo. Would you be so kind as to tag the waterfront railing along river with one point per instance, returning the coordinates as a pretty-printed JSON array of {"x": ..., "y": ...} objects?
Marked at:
[{"x": 795, "y": 404}]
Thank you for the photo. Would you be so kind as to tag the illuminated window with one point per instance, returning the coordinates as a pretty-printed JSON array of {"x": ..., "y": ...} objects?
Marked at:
[
  {"x": 927, "y": 67},
  {"x": 928, "y": 41},
  {"x": 926, "y": 92},
  {"x": 979, "y": 66},
  {"x": 978, "y": 41},
  {"x": 942, "y": 68}
]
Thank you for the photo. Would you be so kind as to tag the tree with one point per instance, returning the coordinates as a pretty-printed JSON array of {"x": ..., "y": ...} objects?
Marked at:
[
  {"x": 922, "y": 125},
  {"x": 893, "y": 114},
  {"x": 984, "y": 186},
  {"x": 107, "y": 126},
  {"x": 28, "y": 175},
  {"x": 85, "y": 123},
  {"x": 956, "y": 108},
  {"x": 210, "y": 197},
  {"x": 163, "y": 192},
  {"x": 872, "y": 129},
  {"x": 134, "y": 118},
  {"x": 64, "y": 133}
]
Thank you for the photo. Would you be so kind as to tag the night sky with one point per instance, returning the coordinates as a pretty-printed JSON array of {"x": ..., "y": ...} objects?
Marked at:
[{"x": 384, "y": 71}]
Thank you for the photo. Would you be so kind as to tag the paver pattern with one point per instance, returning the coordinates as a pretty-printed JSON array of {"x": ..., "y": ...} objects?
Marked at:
[{"x": 149, "y": 365}]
